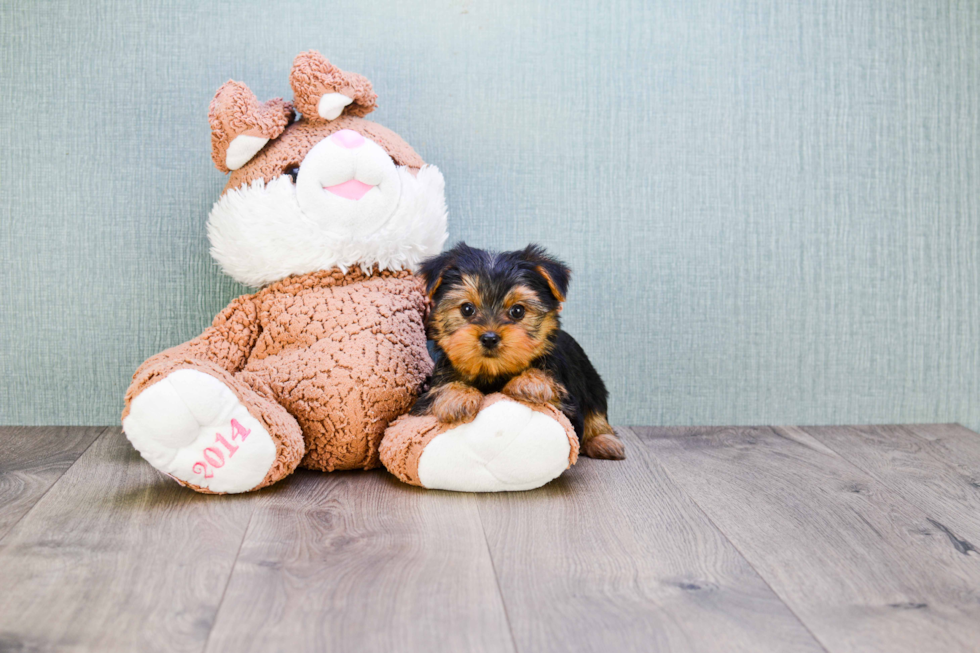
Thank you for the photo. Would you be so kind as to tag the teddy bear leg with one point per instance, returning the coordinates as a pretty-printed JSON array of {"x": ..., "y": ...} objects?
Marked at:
[
  {"x": 211, "y": 432},
  {"x": 510, "y": 446}
]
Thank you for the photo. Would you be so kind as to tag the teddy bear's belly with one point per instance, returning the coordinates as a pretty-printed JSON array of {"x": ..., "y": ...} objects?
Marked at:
[{"x": 348, "y": 382}]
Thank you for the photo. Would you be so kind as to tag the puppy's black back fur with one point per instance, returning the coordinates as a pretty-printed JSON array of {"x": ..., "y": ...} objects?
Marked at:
[{"x": 570, "y": 366}]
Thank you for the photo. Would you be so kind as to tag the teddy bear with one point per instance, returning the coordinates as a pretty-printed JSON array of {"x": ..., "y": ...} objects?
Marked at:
[{"x": 327, "y": 215}]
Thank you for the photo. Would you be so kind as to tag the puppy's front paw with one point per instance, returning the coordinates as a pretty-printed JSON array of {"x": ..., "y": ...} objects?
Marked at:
[
  {"x": 535, "y": 387},
  {"x": 456, "y": 403},
  {"x": 600, "y": 440},
  {"x": 605, "y": 446}
]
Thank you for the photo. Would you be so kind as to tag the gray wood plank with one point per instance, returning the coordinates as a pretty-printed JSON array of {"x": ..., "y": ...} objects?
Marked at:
[
  {"x": 956, "y": 445},
  {"x": 900, "y": 459},
  {"x": 861, "y": 567},
  {"x": 612, "y": 556},
  {"x": 32, "y": 458},
  {"x": 117, "y": 557},
  {"x": 356, "y": 561}
]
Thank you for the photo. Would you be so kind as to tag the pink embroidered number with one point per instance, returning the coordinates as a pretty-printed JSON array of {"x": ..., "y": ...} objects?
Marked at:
[
  {"x": 214, "y": 457},
  {"x": 232, "y": 448},
  {"x": 201, "y": 468},
  {"x": 238, "y": 430}
]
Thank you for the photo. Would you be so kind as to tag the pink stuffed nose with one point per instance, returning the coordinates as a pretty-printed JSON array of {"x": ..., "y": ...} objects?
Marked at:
[{"x": 348, "y": 138}]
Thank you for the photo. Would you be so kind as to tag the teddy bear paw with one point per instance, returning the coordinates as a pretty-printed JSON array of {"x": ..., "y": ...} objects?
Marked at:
[
  {"x": 192, "y": 427},
  {"x": 507, "y": 447}
]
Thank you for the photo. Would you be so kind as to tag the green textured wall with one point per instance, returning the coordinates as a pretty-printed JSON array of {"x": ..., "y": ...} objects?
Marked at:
[{"x": 772, "y": 208}]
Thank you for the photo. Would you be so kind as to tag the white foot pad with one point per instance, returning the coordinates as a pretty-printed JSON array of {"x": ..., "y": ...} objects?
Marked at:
[
  {"x": 507, "y": 447},
  {"x": 191, "y": 426}
]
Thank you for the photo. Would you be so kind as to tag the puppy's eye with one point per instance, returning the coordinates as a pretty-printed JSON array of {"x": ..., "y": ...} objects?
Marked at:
[
  {"x": 467, "y": 309},
  {"x": 516, "y": 312},
  {"x": 293, "y": 172}
]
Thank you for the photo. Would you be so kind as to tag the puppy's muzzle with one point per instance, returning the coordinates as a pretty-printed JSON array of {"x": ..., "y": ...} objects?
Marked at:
[{"x": 489, "y": 340}]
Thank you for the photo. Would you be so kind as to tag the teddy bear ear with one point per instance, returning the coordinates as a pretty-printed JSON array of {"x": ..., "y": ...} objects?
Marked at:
[
  {"x": 241, "y": 125},
  {"x": 322, "y": 92}
]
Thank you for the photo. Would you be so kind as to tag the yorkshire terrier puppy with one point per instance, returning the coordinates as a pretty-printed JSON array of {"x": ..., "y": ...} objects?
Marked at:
[{"x": 496, "y": 329}]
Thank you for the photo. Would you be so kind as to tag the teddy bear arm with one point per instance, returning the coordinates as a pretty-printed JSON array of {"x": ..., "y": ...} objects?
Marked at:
[{"x": 224, "y": 346}]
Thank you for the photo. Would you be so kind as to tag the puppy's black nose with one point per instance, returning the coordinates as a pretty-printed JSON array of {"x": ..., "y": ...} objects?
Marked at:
[{"x": 489, "y": 339}]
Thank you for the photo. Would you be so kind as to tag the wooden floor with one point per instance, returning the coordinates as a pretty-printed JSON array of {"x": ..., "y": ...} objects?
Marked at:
[{"x": 704, "y": 539}]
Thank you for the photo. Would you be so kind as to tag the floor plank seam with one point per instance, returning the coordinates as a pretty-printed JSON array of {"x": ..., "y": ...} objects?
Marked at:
[
  {"x": 711, "y": 521},
  {"x": 910, "y": 429},
  {"x": 962, "y": 546},
  {"x": 859, "y": 468},
  {"x": 224, "y": 590},
  {"x": 874, "y": 476},
  {"x": 58, "y": 480},
  {"x": 496, "y": 580}
]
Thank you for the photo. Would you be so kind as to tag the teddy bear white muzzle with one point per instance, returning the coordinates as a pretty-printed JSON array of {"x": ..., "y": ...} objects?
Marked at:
[{"x": 348, "y": 184}]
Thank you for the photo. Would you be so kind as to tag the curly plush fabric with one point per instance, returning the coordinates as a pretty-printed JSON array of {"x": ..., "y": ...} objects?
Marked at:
[
  {"x": 235, "y": 111},
  {"x": 345, "y": 354},
  {"x": 313, "y": 76},
  {"x": 327, "y": 359},
  {"x": 291, "y": 147}
]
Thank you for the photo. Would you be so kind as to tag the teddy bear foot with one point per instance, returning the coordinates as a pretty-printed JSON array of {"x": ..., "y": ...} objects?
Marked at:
[
  {"x": 193, "y": 427},
  {"x": 510, "y": 446},
  {"x": 507, "y": 447}
]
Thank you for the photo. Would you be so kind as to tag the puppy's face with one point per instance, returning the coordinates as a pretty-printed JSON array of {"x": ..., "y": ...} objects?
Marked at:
[{"x": 494, "y": 313}]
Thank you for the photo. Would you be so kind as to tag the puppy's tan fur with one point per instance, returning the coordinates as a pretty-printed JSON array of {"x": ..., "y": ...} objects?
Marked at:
[
  {"x": 535, "y": 386},
  {"x": 519, "y": 343},
  {"x": 455, "y": 403},
  {"x": 600, "y": 440}
]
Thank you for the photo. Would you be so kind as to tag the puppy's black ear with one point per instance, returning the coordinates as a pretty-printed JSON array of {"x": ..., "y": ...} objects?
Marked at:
[
  {"x": 555, "y": 273},
  {"x": 433, "y": 269}
]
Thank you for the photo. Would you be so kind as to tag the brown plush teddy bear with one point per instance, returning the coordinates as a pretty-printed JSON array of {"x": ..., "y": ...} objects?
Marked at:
[{"x": 328, "y": 214}]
